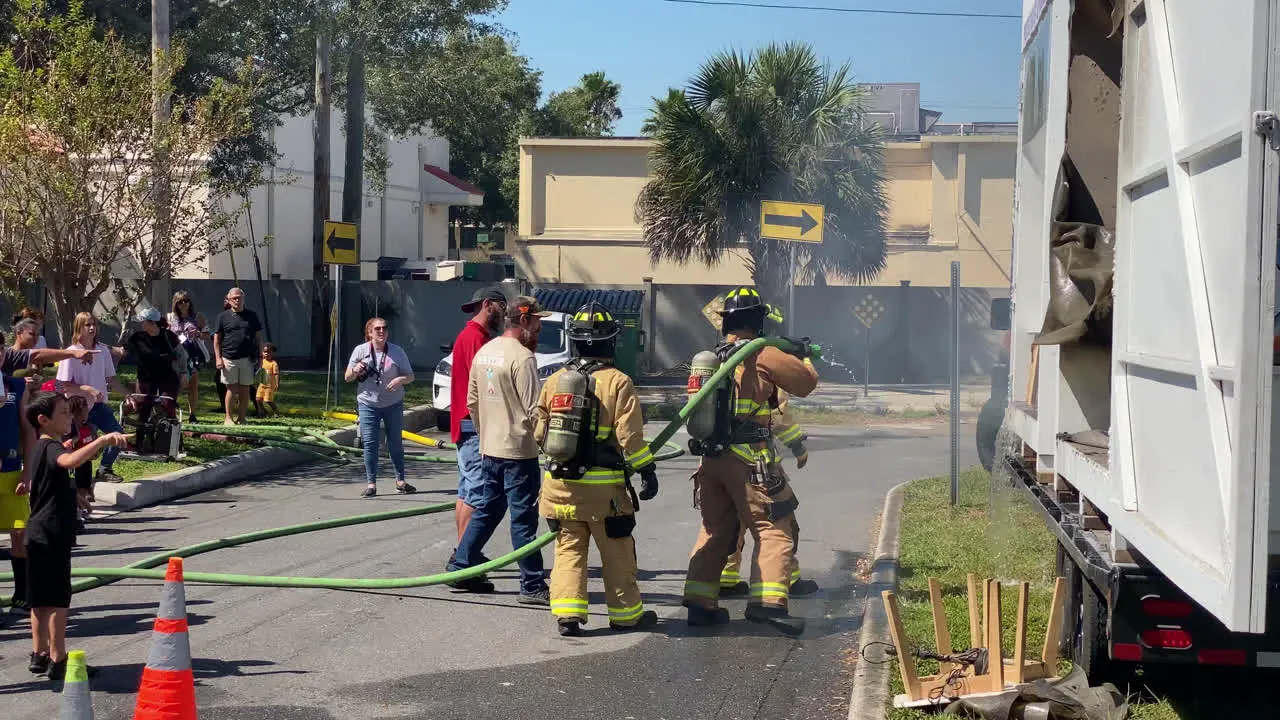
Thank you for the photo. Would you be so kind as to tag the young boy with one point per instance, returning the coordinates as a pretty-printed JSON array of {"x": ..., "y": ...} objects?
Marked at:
[
  {"x": 51, "y": 530},
  {"x": 268, "y": 380}
]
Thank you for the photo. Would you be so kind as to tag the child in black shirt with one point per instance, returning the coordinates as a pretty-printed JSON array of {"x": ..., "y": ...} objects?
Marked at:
[{"x": 51, "y": 530}]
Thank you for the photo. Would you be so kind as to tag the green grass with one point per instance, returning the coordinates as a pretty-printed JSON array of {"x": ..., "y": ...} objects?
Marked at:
[
  {"x": 301, "y": 400},
  {"x": 993, "y": 533}
]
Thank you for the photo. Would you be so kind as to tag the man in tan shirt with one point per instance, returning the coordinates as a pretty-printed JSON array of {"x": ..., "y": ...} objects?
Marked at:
[{"x": 502, "y": 394}]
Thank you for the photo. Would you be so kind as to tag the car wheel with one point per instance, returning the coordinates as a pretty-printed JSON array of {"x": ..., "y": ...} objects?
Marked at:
[{"x": 442, "y": 420}]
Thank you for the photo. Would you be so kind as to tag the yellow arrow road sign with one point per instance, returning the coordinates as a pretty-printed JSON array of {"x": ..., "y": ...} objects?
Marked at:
[
  {"x": 341, "y": 244},
  {"x": 791, "y": 221}
]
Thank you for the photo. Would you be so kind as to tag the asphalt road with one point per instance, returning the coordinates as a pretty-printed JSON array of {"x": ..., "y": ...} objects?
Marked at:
[{"x": 432, "y": 653}]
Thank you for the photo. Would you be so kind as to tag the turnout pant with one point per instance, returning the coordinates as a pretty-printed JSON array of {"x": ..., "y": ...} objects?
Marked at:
[
  {"x": 732, "y": 573},
  {"x": 728, "y": 501},
  {"x": 582, "y": 514}
]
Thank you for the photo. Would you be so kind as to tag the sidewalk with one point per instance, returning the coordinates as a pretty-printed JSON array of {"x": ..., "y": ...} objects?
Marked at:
[{"x": 850, "y": 398}]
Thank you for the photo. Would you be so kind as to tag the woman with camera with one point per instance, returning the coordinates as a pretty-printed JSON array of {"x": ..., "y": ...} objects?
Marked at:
[{"x": 382, "y": 370}]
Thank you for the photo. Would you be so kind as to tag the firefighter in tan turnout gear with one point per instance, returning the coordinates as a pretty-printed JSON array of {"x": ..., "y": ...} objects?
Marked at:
[
  {"x": 591, "y": 427},
  {"x": 789, "y": 433},
  {"x": 740, "y": 481}
]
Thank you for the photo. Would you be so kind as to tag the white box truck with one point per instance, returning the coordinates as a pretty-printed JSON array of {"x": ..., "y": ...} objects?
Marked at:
[{"x": 1140, "y": 376}]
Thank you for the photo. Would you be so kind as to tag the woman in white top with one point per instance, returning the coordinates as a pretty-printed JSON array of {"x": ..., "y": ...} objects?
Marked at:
[
  {"x": 94, "y": 381},
  {"x": 192, "y": 330}
]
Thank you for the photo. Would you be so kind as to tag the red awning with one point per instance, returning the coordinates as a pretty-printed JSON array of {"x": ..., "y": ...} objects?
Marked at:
[{"x": 453, "y": 180}]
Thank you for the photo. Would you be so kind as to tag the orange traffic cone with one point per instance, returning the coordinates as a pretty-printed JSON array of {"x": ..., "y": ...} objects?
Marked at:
[{"x": 168, "y": 690}]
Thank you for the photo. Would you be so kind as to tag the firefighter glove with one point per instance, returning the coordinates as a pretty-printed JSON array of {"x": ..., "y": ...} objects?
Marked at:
[
  {"x": 648, "y": 483},
  {"x": 801, "y": 453}
]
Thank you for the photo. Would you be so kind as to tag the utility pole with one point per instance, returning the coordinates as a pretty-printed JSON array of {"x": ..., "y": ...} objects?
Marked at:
[
  {"x": 320, "y": 342},
  {"x": 353, "y": 172},
  {"x": 160, "y": 116}
]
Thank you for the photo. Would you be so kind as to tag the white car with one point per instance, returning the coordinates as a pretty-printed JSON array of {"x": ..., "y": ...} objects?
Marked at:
[{"x": 552, "y": 354}]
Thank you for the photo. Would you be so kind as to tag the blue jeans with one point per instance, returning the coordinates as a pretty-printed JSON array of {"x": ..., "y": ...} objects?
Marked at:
[
  {"x": 470, "y": 476},
  {"x": 513, "y": 483},
  {"x": 392, "y": 418},
  {"x": 100, "y": 415}
]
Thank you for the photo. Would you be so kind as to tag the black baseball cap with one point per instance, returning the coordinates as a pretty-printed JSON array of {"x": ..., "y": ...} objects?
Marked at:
[{"x": 489, "y": 293}]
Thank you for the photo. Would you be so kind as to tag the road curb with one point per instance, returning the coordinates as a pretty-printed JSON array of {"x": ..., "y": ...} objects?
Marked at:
[
  {"x": 210, "y": 475},
  {"x": 870, "y": 695}
]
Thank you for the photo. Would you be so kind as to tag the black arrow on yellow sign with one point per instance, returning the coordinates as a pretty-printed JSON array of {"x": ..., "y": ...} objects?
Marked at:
[
  {"x": 337, "y": 244},
  {"x": 804, "y": 221}
]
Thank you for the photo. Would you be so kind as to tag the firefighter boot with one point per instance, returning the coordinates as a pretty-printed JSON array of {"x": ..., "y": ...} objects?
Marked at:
[
  {"x": 647, "y": 620},
  {"x": 700, "y": 616},
  {"x": 776, "y": 616}
]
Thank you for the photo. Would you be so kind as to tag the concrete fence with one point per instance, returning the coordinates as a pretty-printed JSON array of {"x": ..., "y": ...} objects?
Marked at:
[{"x": 908, "y": 341}]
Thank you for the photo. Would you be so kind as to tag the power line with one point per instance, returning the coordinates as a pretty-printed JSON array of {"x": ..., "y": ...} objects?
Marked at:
[{"x": 778, "y": 6}]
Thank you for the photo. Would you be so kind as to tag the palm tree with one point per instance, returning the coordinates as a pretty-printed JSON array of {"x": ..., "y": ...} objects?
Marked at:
[{"x": 776, "y": 125}]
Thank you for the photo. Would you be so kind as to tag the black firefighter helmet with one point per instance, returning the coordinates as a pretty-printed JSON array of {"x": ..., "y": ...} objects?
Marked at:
[
  {"x": 743, "y": 308},
  {"x": 593, "y": 330}
]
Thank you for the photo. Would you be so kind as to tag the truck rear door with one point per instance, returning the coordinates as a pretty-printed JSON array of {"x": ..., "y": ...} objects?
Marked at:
[{"x": 1194, "y": 292}]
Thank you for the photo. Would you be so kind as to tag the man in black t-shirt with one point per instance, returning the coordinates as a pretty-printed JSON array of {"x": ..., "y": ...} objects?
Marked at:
[{"x": 237, "y": 343}]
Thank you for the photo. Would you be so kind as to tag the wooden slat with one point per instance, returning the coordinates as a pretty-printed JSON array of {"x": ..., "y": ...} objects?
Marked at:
[
  {"x": 995, "y": 657},
  {"x": 941, "y": 634},
  {"x": 975, "y": 624},
  {"x": 1020, "y": 636},
  {"x": 1033, "y": 375},
  {"x": 1049, "y": 655},
  {"x": 906, "y": 663}
]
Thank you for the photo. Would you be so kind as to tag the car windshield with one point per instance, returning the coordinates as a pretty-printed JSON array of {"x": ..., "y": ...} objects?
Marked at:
[{"x": 551, "y": 339}]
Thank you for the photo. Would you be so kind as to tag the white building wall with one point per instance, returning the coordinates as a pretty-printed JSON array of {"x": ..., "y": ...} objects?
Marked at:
[{"x": 392, "y": 225}]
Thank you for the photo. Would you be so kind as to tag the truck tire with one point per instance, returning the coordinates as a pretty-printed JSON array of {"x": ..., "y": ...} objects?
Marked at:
[
  {"x": 442, "y": 420},
  {"x": 989, "y": 421},
  {"x": 1084, "y": 629}
]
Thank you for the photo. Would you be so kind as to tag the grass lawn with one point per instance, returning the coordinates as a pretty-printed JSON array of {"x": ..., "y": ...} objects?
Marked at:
[
  {"x": 948, "y": 543},
  {"x": 301, "y": 399}
]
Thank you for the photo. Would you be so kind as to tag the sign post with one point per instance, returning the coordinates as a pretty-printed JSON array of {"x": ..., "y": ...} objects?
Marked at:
[
  {"x": 791, "y": 222},
  {"x": 341, "y": 247},
  {"x": 867, "y": 312},
  {"x": 955, "y": 381}
]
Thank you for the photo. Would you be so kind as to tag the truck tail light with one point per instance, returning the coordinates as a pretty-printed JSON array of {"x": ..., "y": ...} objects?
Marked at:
[
  {"x": 1221, "y": 657},
  {"x": 1131, "y": 652},
  {"x": 1166, "y": 638},
  {"x": 1157, "y": 607}
]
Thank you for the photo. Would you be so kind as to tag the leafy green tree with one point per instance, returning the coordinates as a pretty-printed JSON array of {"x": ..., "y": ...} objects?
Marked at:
[
  {"x": 79, "y": 167},
  {"x": 774, "y": 125}
]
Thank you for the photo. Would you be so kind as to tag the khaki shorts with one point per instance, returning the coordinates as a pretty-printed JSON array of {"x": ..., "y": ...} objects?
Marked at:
[
  {"x": 15, "y": 510},
  {"x": 237, "y": 372}
]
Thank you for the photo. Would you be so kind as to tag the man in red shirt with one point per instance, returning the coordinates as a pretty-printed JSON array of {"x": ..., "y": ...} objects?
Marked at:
[{"x": 487, "y": 306}]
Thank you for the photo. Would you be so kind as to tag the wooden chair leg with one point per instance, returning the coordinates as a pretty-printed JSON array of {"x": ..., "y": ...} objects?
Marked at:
[
  {"x": 941, "y": 633},
  {"x": 906, "y": 663}
]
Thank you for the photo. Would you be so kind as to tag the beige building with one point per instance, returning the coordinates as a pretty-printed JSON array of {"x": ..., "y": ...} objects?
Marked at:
[{"x": 950, "y": 198}]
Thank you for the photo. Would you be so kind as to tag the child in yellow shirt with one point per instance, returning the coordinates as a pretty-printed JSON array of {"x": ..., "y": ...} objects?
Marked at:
[{"x": 268, "y": 380}]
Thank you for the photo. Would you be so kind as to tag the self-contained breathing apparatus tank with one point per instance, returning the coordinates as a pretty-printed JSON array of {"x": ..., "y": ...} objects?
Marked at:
[
  {"x": 568, "y": 414},
  {"x": 571, "y": 443}
]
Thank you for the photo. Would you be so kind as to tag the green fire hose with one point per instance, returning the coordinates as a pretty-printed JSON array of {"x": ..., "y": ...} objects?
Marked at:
[{"x": 143, "y": 569}]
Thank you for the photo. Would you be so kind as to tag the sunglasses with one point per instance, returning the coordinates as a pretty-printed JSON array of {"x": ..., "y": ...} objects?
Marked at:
[{"x": 379, "y": 328}]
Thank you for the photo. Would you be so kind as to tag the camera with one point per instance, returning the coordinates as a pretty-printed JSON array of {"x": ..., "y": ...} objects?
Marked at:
[{"x": 364, "y": 372}]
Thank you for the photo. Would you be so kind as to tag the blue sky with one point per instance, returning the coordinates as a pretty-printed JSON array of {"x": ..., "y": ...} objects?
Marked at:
[{"x": 967, "y": 67}]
